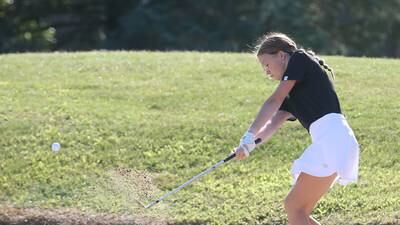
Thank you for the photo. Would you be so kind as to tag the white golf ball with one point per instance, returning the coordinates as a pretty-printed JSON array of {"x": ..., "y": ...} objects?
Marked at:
[{"x": 55, "y": 147}]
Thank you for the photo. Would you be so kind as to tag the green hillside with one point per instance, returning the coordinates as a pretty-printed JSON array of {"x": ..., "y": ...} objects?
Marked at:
[{"x": 133, "y": 125}]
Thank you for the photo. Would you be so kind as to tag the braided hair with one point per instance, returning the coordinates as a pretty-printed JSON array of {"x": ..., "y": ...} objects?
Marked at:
[{"x": 321, "y": 62}]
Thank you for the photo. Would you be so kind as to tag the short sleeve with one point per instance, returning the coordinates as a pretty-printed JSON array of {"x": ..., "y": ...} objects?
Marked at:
[
  {"x": 287, "y": 107},
  {"x": 296, "y": 67}
]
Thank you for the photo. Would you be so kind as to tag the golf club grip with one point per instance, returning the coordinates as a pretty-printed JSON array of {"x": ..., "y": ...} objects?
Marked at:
[{"x": 257, "y": 141}]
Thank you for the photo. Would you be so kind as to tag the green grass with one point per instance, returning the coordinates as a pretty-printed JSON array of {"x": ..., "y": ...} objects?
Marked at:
[{"x": 173, "y": 115}]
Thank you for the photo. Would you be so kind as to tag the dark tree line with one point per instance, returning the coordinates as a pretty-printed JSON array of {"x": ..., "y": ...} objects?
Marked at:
[{"x": 356, "y": 27}]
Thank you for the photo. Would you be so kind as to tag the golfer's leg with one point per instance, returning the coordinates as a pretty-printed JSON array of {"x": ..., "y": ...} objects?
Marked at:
[{"x": 304, "y": 196}]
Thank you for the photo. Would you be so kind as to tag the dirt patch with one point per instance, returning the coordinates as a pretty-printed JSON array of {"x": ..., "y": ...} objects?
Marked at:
[{"x": 37, "y": 216}]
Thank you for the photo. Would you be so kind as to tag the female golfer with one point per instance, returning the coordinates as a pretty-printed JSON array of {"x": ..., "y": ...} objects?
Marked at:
[{"x": 305, "y": 93}]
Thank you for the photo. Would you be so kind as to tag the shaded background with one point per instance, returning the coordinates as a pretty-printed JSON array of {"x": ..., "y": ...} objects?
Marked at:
[{"x": 352, "y": 28}]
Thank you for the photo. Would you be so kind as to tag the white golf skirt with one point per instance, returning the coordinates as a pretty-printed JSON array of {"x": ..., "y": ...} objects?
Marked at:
[{"x": 334, "y": 149}]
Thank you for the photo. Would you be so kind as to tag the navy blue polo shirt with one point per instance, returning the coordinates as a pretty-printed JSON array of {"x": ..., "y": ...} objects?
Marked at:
[{"x": 313, "y": 95}]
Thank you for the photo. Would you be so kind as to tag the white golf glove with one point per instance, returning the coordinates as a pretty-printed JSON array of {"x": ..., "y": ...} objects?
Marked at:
[{"x": 247, "y": 142}]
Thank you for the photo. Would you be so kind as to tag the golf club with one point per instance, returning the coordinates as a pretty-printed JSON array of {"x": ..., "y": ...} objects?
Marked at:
[{"x": 231, "y": 156}]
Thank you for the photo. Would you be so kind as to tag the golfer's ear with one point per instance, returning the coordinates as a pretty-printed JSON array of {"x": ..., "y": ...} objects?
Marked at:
[{"x": 282, "y": 54}]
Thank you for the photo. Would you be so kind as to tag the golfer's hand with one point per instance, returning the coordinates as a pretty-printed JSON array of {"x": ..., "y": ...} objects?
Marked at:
[
  {"x": 241, "y": 153},
  {"x": 248, "y": 141}
]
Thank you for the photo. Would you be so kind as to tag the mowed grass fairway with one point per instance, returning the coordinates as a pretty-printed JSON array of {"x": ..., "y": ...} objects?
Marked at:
[{"x": 172, "y": 115}]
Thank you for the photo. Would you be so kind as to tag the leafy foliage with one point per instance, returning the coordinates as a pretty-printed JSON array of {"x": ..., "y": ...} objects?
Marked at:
[{"x": 355, "y": 28}]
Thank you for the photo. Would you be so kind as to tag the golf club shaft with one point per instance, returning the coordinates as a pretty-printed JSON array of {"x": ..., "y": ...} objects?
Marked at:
[
  {"x": 190, "y": 181},
  {"x": 231, "y": 156}
]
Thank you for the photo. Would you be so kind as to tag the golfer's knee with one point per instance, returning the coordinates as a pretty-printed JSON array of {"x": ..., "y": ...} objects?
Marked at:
[{"x": 294, "y": 207}]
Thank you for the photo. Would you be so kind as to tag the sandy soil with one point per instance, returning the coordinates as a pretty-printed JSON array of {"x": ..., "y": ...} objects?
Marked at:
[{"x": 35, "y": 216}]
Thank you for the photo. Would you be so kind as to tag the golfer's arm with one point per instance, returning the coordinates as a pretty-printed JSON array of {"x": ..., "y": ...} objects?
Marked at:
[
  {"x": 272, "y": 126},
  {"x": 271, "y": 106}
]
